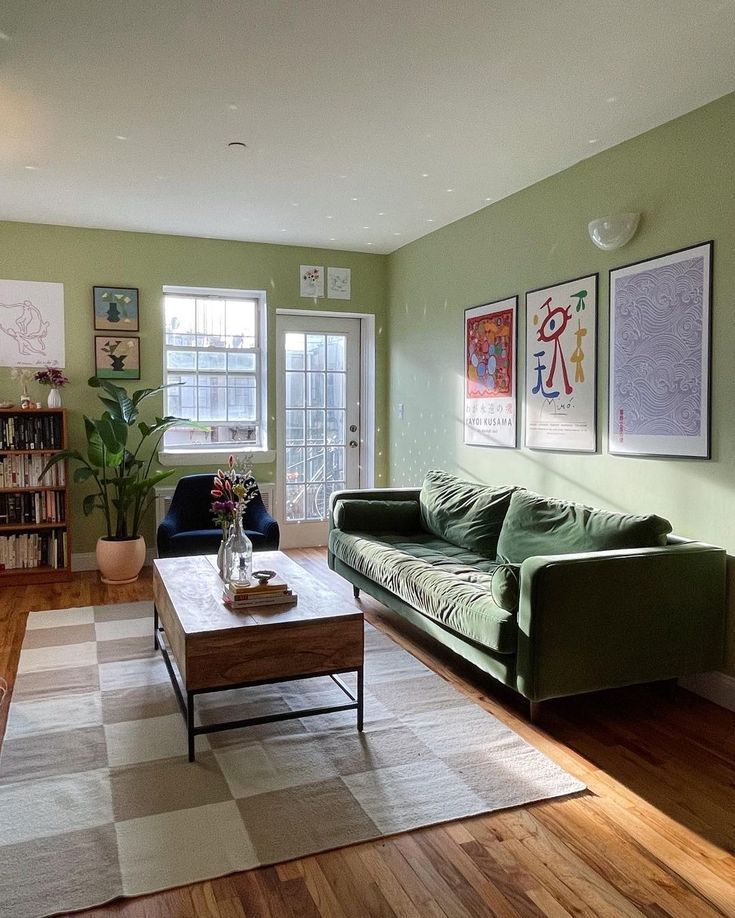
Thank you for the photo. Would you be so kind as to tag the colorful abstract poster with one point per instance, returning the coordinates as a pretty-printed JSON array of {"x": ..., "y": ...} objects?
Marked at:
[
  {"x": 561, "y": 366},
  {"x": 490, "y": 374},
  {"x": 660, "y": 355}
]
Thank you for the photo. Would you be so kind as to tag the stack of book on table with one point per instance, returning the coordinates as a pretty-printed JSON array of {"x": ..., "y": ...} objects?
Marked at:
[{"x": 248, "y": 595}]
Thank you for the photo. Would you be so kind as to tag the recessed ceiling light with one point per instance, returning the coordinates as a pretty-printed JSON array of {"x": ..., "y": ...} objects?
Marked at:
[
  {"x": 232, "y": 107},
  {"x": 593, "y": 140},
  {"x": 120, "y": 137},
  {"x": 31, "y": 168},
  {"x": 396, "y": 234},
  {"x": 331, "y": 238},
  {"x": 343, "y": 176},
  {"x": 424, "y": 175},
  {"x": 366, "y": 227},
  {"x": 330, "y": 217},
  {"x": 429, "y": 220},
  {"x": 353, "y": 199},
  {"x": 294, "y": 203},
  {"x": 237, "y": 145},
  {"x": 450, "y": 190},
  {"x": 370, "y": 243},
  {"x": 488, "y": 199},
  {"x": 611, "y": 99},
  {"x": 381, "y": 213},
  {"x": 283, "y": 230}
]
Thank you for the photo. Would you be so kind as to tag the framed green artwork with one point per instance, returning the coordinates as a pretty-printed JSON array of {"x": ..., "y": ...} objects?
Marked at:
[
  {"x": 116, "y": 309},
  {"x": 117, "y": 357}
]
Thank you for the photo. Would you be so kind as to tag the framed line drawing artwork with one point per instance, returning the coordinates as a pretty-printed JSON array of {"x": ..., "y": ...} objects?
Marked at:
[
  {"x": 339, "y": 283},
  {"x": 560, "y": 390},
  {"x": 32, "y": 326},
  {"x": 660, "y": 361},
  {"x": 116, "y": 309},
  {"x": 116, "y": 357},
  {"x": 490, "y": 396}
]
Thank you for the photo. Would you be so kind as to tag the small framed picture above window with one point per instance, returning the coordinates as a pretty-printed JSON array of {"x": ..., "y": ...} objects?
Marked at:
[
  {"x": 116, "y": 309},
  {"x": 117, "y": 357}
]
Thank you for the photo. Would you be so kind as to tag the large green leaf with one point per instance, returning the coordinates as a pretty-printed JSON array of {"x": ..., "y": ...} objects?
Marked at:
[
  {"x": 146, "y": 484},
  {"x": 60, "y": 457},
  {"x": 82, "y": 473},
  {"x": 89, "y": 503},
  {"x": 119, "y": 404},
  {"x": 101, "y": 454},
  {"x": 141, "y": 394}
]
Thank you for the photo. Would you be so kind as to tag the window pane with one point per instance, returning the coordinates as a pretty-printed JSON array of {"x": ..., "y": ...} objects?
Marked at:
[
  {"x": 315, "y": 390},
  {"x": 294, "y": 352},
  {"x": 179, "y": 319},
  {"x": 336, "y": 352},
  {"x": 315, "y": 352},
  {"x": 181, "y": 360},
  {"x": 181, "y": 397},
  {"x": 241, "y": 403},
  {"x": 212, "y": 360},
  {"x": 295, "y": 502},
  {"x": 240, "y": 315},
  {"x": 294, "y": 463},
  {"x": 315, "y": 463},
  {"x": 294, "y": 427},
  {"x": 294, "y": 390},
  {"x": 336, "y": 427},
  {"x": 245, "y": 363},
  {"x": 212, "y": 401},
  {"x": 336, "y": 390},
  {"x": 315, "y": 427},
  {"x": 211, "y": 322}
]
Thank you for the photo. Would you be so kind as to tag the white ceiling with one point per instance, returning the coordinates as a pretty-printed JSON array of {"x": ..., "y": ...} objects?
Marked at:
[{"x": 369, "y": 123}]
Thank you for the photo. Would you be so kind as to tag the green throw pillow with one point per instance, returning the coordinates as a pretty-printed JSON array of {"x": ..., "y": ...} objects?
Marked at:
[
  {"x": 537, "y": 525},
  {"x": 398, "y": 516},
  {"x": 505, "y": 586},
  {"x": 464, "y": 513}
]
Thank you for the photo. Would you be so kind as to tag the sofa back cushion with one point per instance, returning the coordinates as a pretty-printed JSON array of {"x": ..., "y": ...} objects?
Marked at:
[
  {"x": 537, "y": 525},
  {"x": 372, "y": 516},
  {"x": 464, "y": 513}
]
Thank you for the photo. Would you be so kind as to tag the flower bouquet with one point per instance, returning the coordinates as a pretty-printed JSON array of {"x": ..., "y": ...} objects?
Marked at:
[
  {"x": 54, "y": 378},
  {"x": 232, "y": 490}
]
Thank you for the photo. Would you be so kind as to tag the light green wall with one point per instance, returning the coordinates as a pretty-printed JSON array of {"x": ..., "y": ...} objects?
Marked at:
[
  {"x": 680, "y": 176},
  {"x": 81, "y": 258}
]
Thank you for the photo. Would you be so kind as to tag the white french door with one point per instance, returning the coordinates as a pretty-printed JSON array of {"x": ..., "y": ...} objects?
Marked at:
[{"x": 318, "y": 412}]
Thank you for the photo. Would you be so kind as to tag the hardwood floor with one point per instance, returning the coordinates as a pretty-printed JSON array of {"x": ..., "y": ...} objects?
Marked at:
[{"x": 654, "y": 834}]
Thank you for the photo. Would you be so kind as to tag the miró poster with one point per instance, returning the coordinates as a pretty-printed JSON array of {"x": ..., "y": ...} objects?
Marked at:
[
  {"x": 490, "y": 374},
  {"x": 561, "y": 371}
]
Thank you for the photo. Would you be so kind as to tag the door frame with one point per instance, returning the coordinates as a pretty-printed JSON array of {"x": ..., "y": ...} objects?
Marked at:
[{"x": 367, "y": 394}]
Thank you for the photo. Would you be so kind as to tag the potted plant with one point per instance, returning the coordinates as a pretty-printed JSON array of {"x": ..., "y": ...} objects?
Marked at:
[{"x": 121, "y": 471}]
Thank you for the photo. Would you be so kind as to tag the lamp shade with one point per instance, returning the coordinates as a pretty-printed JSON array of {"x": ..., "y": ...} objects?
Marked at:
[{"x": 613, "y": 232}]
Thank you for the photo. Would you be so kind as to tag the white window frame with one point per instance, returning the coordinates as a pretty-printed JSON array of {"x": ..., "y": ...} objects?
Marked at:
[{"x": 216, "y": 453}]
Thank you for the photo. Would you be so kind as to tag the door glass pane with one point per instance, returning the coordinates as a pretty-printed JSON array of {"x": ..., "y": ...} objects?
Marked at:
[
  {"x": 336, "y": 427},
  {"x": 294, "y": 427},
  {"x": 315, "y": 390},
  {"x": 316, "y": 357},
  {"x": 294, "y": 352},
  {"x": 295, "y": 508},
  {"x": 336, "y": 352},
  {"x": 294, "y": 464},
  {"x": 315, "y": 427},
  {"x": 315, "y": 502},
  {"x": 315, "y": 463},
  {"x": 335, "y": 463},
  {"x": 294, "y": 390},
  {"x": 336, "y": 390}
]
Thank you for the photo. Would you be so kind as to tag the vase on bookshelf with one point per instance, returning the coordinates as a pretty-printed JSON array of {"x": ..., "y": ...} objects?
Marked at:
[{"x": 54, "y": 398}]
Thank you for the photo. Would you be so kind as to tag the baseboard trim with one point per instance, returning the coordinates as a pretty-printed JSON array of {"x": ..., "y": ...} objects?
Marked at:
[
  {"x": 717, "y": 687},
  {"x": 87, "y": 560}
]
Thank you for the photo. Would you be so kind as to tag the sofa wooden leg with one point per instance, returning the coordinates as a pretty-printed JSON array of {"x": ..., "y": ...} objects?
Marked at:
[
  {"x": 535, "y": 709},
  {"x": 356, "y": 592}
]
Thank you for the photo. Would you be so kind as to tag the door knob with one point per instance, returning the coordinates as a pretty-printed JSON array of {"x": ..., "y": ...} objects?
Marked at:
[
  {"x": 353, "y": 443},
  {"x": 353, "y": 428}
]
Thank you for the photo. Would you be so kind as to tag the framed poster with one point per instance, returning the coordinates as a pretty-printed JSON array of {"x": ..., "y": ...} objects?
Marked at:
[
  {"x": 561, "y": 366},
  {"x": 116, "y": 357},
  {"x": 115, "y": 309},
  {"x": 311, "y": 280},
  {"x": 339, "y": 283},
  {"x": 31, "y": 324},
  {"x": 660, "y": 332},
  {"x": 490, "y": 401}
]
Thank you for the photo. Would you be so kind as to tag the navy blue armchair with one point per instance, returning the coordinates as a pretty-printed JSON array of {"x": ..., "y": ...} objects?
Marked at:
[{"x": 188, "y": 528}]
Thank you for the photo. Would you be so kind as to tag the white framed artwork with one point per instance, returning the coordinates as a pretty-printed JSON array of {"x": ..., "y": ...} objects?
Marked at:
[
  {"x": 339, "y": 283},
  {"x": 312, "y": 280},
  {"x": 31, "y": 324}
]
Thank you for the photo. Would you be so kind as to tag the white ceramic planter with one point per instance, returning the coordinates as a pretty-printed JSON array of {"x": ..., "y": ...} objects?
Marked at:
[
  {"x": 120, "y": 561},
  {"x": 54, "y": 398}
]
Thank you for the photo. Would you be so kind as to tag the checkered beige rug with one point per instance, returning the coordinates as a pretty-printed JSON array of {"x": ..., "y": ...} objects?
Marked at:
[{"x": 97, "y": 799}]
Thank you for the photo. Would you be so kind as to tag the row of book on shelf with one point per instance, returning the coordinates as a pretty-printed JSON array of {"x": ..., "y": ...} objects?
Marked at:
[
  {"x": 32, "y": 507},
  {"x": 33, "y": 549},
  {"x": 24, "y": 471},
  {"x": 42, "y": 431},
  {"x": 241, "y": 596}
]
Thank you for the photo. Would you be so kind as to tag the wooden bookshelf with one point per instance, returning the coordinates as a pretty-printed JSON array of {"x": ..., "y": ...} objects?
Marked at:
[{"x": 27, "y": 438}]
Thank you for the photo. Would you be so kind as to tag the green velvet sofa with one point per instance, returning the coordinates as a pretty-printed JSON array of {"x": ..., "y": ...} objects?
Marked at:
[{"x": 549, "y": 597}]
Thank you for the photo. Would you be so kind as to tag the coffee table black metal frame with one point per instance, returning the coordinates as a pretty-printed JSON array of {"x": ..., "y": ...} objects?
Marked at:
[{"x": 186, "y": 704}]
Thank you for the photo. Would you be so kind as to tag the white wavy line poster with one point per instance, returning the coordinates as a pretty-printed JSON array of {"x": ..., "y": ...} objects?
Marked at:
[{"x": 31, "y": 324}]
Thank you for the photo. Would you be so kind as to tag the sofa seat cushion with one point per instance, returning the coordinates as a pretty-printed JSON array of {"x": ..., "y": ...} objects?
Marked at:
[
  {"x": 437, "y": 578},
  {"x": 536, "y": 525}
]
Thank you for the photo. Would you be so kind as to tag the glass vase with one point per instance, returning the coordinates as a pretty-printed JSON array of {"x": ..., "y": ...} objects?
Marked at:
[
  {"x": 239, "y": 553},
  {"x": 223, "y": 565}
]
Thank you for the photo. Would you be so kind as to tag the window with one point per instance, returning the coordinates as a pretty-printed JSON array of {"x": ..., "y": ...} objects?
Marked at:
[{"x": 214, "y": 353}]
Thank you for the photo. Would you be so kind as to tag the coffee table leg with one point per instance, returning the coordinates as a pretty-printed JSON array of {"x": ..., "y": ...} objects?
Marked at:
[
  {"x": 190, "y": 723},
  {"x": 360, "y": 687},
  {"x": 155, "y": 627}
]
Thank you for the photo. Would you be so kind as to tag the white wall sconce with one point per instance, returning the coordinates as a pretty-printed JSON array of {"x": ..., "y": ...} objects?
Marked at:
[{"x": 610, "y": 233}]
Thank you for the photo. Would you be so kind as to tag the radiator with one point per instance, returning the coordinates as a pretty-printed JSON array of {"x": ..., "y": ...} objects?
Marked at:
[{"x": 164, "y": 495}]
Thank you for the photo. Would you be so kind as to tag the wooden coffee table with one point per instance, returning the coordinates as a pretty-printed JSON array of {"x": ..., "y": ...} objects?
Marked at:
[{"x": 217, "y": 649}]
